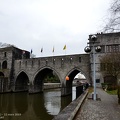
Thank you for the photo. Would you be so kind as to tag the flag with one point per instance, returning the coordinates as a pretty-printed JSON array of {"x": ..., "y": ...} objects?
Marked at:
[
  {"x": 31, "y": 51},
  {"x": 53, "y": 49},
  {"x": 64, "y": 48},
  {"x": 41, "y": 50}
]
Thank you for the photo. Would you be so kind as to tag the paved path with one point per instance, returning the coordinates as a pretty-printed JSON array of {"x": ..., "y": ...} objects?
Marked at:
[{"x": 106, "y": 109}]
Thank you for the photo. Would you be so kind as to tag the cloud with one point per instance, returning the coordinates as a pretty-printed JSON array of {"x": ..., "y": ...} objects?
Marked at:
[{"x": 46, "y": 23}]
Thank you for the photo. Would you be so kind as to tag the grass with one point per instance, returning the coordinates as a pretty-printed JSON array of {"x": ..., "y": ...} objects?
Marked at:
[
  {"x": 90, "y": 89},
  {"x": 112, "y": 92}
]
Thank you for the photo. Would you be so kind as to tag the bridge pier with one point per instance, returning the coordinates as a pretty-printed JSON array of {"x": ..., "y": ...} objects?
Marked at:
[
  {"x": 35, "y": 88},
  {"x": 66, "y": 91}
]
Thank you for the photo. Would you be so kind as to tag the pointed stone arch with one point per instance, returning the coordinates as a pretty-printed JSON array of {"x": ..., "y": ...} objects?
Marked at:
[
  {"x": 4, "y": 65},
  {"x": 39, "y": 77},
  {"x": 22, "y": 82},
  {"x": 1, "y": 74},
  {"x": 67, "y": 88},
  {"x": 75, "y": 71}
]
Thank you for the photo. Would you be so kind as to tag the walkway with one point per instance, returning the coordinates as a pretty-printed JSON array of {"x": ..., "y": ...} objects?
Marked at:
[{"x": 105, "y": 109}]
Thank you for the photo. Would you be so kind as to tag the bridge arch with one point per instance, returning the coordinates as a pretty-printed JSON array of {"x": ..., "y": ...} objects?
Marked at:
[
  {"x": 1, "y": 74},
  {"x": 73, "y": 72},
  {"x": 68, "y": 83},
  {"x": 40, "y": 75},
  {"x": 22, "y": 81}
]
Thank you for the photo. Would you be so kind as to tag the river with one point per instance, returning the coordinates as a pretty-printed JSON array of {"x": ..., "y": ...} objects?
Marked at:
[{"x": 25, "y": 106}]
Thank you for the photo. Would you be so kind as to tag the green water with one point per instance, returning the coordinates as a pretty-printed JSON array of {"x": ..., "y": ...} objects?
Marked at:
[{"x": 24, "y": 106}]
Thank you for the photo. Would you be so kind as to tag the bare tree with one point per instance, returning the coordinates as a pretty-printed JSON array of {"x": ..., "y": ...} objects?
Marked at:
[
  {"x": 110, "y": 64},
  {"x": 3, "y": 45},
  {"x": 114, "y": 20}
]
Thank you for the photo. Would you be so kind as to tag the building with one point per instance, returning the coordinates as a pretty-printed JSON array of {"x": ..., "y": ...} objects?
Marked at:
[
  {"x": 109, "y": 42},
  {"x": 8, "y": 55}
]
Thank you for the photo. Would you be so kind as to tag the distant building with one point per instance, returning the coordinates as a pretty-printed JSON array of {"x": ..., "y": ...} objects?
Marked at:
[
  {"x": 79, "y": 80},
  {"x": 109, "y": 42}
]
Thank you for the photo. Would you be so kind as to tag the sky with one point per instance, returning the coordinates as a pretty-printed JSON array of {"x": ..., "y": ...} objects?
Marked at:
[{"x": 37, "y": 24}]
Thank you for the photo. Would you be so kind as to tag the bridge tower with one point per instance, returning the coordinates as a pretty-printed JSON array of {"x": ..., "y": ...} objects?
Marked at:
[{"x": 7, "y": 57}]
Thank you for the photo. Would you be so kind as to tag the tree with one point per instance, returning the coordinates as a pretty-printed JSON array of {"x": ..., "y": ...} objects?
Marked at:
[
  {"x": 110, "y": 65},
  {"x": 114, "y": 20}
]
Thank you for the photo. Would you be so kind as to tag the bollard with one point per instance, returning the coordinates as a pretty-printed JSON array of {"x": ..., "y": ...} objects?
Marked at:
[{"x": 93, "y": 95}]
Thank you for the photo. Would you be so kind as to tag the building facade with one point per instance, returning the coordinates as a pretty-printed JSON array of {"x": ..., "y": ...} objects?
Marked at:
[
  {"x": 109, "y": 43},
  {"x": 8, "y": 56}
]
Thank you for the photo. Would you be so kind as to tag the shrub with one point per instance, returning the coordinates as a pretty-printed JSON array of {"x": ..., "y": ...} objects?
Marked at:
[{"x": 108, "y": 86}]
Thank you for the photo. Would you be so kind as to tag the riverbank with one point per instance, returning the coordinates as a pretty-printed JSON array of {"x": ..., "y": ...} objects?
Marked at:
[
  {"x": 69, "y": 112},
  {"x": 51, "y": 86}
]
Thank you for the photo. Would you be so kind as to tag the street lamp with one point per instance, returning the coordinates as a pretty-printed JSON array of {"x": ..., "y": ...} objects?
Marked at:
[{"x": 94, "y": 49}]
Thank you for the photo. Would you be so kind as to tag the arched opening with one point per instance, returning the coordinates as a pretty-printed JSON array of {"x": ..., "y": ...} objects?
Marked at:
[
  {"x": 74, "y": 80},
  {"x": 45, "y": 76},
  {"x": 79, "y": 79},
  {"x": 5, "y": 54},
  {"x": 4, "y": 65},
  {"x": 0, "y": 65},
  {"x": 22, "y": 82},
  {"x": 1, "y": 74}
]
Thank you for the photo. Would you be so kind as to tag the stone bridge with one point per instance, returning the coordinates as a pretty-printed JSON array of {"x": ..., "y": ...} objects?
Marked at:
[
  {"x": 19, "y": 72},
  {"x": 30, "y": 73}
]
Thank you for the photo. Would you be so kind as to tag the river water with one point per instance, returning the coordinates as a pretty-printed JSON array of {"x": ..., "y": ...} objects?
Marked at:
[{"x": 24, "y": 106}]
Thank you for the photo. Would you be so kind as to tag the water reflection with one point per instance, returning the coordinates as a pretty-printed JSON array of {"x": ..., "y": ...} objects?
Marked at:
[
  {"x": 52, "y": 102},
  {"x": 22, "y": 106},
  {"x": 21, "y": 102},
  {"x": 39, "y": 108},
  {"x": 73, "y": 93}
]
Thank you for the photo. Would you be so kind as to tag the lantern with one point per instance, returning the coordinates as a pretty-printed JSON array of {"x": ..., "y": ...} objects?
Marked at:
[
  {"x": 87, "y": 49},
  {"x": 67, "y": 78},
  {"x": 98, "y": 49}
]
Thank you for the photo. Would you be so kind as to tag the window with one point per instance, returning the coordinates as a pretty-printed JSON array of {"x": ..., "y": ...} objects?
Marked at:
[
  {"x": 46, "y": 62},
  {"x": 102, "y": 48},
  {"x": 38, "y": 62},
  {"x": 112, "y": 48},
  {"x": 79, "y": 59},
  {"x": 32, "y": 63},
  {"x": 97, "y": 80},
  {"x": 4, "y": 65},
  {"x": 5, "y": 54},
  {"x": 20, "y": 64},
  {"x": 25, "y": 63}
]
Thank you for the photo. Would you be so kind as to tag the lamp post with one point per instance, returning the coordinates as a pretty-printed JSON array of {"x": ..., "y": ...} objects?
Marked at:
[{"x": 93, "y": 40}]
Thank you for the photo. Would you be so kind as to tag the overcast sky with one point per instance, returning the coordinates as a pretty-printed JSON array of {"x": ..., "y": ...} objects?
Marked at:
[{"x": 33, "y": 24}]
